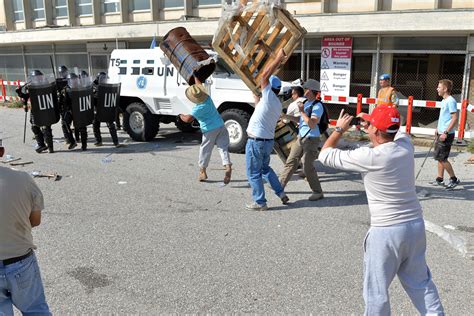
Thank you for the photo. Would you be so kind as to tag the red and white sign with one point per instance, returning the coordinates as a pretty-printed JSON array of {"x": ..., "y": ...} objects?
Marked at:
[{"x": 336, "y": 55}]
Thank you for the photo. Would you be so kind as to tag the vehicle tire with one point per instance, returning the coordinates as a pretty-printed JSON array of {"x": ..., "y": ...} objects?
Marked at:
[
  {"x": 192, "y": 127},
  {"x": 236, "y": 122},
  {"x": 139, "y": 123}
]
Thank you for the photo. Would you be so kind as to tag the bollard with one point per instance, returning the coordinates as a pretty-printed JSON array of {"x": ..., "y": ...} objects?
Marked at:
[
  {"x": 359, "y": 107},
  {"x": 4, "y": 91},
  {"x": 462, "y": 121},
  {"x": 409, "y": 114}
]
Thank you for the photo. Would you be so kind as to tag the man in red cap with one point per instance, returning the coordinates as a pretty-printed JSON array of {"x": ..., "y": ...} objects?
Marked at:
[{"x": 396, "y": 242}]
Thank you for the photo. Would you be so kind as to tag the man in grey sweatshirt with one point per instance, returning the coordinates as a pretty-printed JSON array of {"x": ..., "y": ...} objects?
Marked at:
[{"x": 396, "y": 242}]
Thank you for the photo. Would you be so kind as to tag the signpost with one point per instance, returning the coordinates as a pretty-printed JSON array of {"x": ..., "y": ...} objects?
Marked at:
[{"x": 336, "y": 54}]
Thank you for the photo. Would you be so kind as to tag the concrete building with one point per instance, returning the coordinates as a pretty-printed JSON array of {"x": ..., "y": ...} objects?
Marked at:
[{"x": 419, "y": 42}]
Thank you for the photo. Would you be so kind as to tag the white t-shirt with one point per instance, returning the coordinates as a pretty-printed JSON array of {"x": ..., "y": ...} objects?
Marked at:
[
  {"x": 293, "y": 108},
  {"x": 266, "y": 115},
  {"x": 388, "y": 173}
]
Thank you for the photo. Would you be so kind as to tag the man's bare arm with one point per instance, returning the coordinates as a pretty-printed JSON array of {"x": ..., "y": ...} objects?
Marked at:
[
  {"x": 35, "y": 218},
  {"x": 270, "y": 69}
]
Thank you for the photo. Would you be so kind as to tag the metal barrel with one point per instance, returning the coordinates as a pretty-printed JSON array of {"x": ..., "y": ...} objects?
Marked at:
[{"x": 185, "y": 54}]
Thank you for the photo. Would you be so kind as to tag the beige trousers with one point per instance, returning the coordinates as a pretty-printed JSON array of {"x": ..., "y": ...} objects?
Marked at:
[{"x": 308, "y": 149}]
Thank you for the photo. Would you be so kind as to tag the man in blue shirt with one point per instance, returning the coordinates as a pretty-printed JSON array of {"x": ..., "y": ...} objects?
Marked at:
[
  {"x": 261, "y": 132},
  {"x": 212, "y": 127},
  {"x": 307, "y": 144},
  {"x": 445, "y": 132}
]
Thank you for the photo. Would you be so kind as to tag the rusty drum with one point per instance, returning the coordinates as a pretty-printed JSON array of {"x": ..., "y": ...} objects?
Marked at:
[{"x": 187, "y": 55}]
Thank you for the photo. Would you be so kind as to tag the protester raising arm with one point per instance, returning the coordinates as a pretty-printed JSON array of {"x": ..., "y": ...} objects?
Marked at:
[{"x": 270, "y": 69}]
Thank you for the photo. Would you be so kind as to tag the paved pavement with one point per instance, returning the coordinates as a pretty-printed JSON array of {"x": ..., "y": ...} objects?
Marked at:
[{"x": 162, "y": 242}]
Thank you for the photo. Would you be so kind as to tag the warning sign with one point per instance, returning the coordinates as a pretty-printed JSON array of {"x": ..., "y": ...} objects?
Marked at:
[
  {"x": 324, "y": 76},
  {"x": 324, "y": 88},
  {"x": 336, "y": 55}
]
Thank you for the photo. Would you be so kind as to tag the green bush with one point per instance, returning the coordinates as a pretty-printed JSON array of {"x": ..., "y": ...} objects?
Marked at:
[
  {"x": 13, "y": 105},
  {"x": 470, "y": 147}
]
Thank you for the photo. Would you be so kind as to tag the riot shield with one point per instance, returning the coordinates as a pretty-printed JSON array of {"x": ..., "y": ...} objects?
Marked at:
[
  {"x": 44, "y": 103},
  {"x": 107, "y": 101},
  {"x": 81, "y": 105}
]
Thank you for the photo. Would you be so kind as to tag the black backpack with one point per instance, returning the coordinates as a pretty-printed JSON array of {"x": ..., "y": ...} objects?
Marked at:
[{"x": 323, "y": 123}]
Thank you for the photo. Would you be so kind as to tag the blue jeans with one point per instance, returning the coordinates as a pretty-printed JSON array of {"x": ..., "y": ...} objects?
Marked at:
[
  {"x": 21, "y": 286},
  {"x": 398, "y": 250},
  {"x": 257, "y": 157}
]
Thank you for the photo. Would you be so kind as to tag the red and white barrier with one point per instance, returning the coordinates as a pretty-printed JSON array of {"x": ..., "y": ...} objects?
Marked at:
[
  {"x": 3, "y": 88},
  {"x": 464, "y": 107}
]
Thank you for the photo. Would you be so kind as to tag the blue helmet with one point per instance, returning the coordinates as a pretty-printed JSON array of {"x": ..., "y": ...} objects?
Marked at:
[
  {"x": 275, "y": 82},
  {"x": 384, "y": 77}
]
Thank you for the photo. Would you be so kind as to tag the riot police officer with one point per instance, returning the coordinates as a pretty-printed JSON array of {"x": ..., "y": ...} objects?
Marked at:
[
  {"x": 65, "y": 110},
  {"x": 101, "y": 77},
  {"x": 75, "y": 82},
  {"x": 43, "y": 134}
]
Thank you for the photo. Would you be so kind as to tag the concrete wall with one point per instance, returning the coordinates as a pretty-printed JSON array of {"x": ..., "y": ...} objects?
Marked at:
[
  {"x": 213, "y": 12},
  {"x": 111, "y": 18},
  {"x": 140, "y": 16},
  {"x": 414, "y": 5},
  {"x": 3, "y": 20},
  {"x": 304, "y": 8},
  {"x": 344, "y": 6},
  {"x": 61, "y": 21},
  {"x": 454, "y": 22},
  {"x": 171, "y": 14}
]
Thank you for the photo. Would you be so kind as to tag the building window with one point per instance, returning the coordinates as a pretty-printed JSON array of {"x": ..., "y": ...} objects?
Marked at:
[
  {"x": 139, "y": 5},
  {"x": 173, "y": 3},
  {"x": 84, "y": 7},
  {"x": 61, "y": 8},
  {"x": 198, "y": 3},
  {"x": 37, "y": 8},
  {"x": 110, "y": 6},
  {"x": 18, "y": 10}
]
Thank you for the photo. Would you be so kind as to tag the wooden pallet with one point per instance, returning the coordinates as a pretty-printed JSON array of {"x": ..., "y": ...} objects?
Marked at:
[{"x": 259, "y": 41}]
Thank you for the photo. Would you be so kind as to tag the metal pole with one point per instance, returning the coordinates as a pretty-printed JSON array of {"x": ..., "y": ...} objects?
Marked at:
[
  {"x": 426, "y": 157},
  {"x": 302, "y": 60},
  {"x": 24, "y": 127},
  {"x": 377, "y": 66}
]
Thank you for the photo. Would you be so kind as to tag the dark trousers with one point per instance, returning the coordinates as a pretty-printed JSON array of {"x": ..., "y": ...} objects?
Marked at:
[
  {"x": 66, "y": 121},
  {"x": 112, "y": 130},
  {"x": 43, "y": 134}
]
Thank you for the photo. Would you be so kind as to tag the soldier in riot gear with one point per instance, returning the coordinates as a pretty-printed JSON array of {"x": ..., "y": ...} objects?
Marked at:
[
  {"x": 83, "y": 74},
  {"x": 43, "y": 134},
  {"x": 101, "y": 77},
  {"x": 74, "y": 83},
  {"x": 63, "y": 72},
  {"x": 65, "y": 111}
]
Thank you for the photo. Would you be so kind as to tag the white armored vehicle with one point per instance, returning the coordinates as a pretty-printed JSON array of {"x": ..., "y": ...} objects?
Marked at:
[{"x": 153, "y": 91}]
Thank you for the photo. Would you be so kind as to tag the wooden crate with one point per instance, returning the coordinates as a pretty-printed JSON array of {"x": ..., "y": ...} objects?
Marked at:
[{"x": 259, "y": 41}]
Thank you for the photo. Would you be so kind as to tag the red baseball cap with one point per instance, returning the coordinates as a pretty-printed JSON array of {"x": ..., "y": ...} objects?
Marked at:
[{"x": 385, "y": 118}]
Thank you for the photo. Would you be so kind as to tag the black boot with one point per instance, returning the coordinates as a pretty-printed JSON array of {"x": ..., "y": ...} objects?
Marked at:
[
  {"x": 97, "y": 135},
  {"x": 113, "y": 132},
  {"x": 83, "y": 133},
  {"x": 48, "y": 136},
  {"x": 39, "y": 139}
]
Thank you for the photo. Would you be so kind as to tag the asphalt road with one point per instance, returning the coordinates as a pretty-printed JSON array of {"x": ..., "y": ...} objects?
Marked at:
[{"x": 140, "y": 234}]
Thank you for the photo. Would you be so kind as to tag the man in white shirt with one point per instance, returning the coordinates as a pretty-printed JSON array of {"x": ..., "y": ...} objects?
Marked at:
[
  {"x": 396, "y": 242},
  {"x": 261, "y": 132}
]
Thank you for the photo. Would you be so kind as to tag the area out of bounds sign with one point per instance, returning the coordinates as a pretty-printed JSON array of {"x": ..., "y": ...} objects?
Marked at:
[{"x": 336, "y": 54}]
